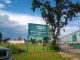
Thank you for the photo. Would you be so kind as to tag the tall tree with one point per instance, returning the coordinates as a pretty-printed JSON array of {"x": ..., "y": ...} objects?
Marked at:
[
  {"x": 56, "y": 16},
  {"x": 0, "y": 37},
  {"x": 6, "y": 40}
]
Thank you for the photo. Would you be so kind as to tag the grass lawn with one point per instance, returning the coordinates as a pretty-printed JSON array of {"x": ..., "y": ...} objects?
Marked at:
[{"x": 38, "y": 54}]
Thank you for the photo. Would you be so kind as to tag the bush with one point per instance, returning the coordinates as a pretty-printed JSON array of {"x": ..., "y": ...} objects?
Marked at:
[
  {"x": 15, "y": 49},
  {"x": 54, "y": 47}
]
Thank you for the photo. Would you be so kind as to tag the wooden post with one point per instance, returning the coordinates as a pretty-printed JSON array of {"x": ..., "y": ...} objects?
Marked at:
[{"x": 35, "y": 44}]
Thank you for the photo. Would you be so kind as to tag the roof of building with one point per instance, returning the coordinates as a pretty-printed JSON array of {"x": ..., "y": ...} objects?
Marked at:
[{"x": 70, "y": 33}]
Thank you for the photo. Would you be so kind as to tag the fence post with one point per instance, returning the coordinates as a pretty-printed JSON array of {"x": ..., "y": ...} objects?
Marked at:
[
  {"x": 43, "y": 46},
  {"x": 27, "y": 46},
  {"x": 47, "y": 47},
  {"x": 35, "y": 44},
  {"x": 66, "y": 47}
]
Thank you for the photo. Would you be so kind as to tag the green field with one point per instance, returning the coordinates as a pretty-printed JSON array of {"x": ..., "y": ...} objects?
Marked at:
[{"x": 39, "y": 54}]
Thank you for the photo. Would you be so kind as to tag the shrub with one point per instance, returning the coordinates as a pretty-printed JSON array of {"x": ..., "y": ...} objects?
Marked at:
[
  {"x": 54, "y": 46},
  {"x": 15, "y": 49}
]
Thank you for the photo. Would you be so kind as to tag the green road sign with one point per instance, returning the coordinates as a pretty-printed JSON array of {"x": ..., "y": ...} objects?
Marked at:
[{"x": 37, "y": 30}]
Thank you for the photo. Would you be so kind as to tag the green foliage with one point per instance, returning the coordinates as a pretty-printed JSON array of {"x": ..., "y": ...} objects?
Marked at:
[
  {"x": 53, "y": 15},
  {"x": 39, "y": 41},
  {"x": 54, "y": 48},
  {"x": 15, "y": 49},
  {"x": 19, "y": 38},
  {"x": 38, "y": 55},
  {"x": 45, "y": 40},
  {"x": 6, "y": 40},
  {"x": 33, "y": 41},
  {"x": 0, "y": 37}
]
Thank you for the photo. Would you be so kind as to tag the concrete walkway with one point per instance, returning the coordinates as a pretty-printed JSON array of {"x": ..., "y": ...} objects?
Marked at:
[{"x": 69, "y": 55}]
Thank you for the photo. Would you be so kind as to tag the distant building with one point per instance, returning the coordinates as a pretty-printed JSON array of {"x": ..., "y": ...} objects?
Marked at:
[
  {"x": 71, "y": 42},
  {"x": 16, "y": 42},
  {"x": 73, "y": 37}
]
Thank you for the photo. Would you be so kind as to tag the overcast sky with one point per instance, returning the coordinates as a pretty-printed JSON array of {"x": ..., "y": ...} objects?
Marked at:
[{"x": 16, "y": 14}]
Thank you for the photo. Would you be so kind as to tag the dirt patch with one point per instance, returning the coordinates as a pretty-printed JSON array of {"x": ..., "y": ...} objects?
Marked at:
[{"x": 69, "y": 55}]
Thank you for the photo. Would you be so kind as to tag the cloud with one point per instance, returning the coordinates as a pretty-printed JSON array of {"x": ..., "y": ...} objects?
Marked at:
[
  {"x": 23, "y": 19},
  {"x": 68, "y": 30},
  {"x": 3, "y": 3},
  {"x": 72, "y": 26},
  {"x": 2, "y": 6},
  {"x": 12, "y": 24},
  {"x": 15, "y": 25},
  {"x": 75, "y": 21},
  {"x": 7, "y": 1},
  {"x": 5, "y": 22}
]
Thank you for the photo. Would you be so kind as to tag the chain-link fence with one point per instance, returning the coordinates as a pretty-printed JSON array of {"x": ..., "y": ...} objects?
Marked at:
[{"x": 71, "y": 47}]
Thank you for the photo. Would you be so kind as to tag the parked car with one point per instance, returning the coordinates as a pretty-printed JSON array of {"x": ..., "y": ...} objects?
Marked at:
[{"x": 4, "y": 54}]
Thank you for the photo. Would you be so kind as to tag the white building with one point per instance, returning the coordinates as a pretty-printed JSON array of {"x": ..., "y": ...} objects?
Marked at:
[
  {"x": 16, "y": 42},
  {"x": 73, "y": 37},
  {"x": 71, "y": 42}
]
